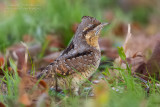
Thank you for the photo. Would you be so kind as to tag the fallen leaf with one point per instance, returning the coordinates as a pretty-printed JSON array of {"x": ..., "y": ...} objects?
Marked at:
[
  {"x": 17, "y": 53},
  {"x": 152, "y": 67},
  {"x": 2, "y": 105},
  {"x": 1, "y": 61},
  {"x": 28, "y": 94},
  {"x": 29, "y": 87},
  {"x": 120, "y": 29},
  {"x": 24, "y": 99},
  {"x": 28, "y": 38},
  {"x": 134, "y": 59}
]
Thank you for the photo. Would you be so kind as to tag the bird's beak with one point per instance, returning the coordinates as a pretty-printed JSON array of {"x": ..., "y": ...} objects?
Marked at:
[
  {"x": 99, "y": 28},
  {"x": 104, "y": 24}
]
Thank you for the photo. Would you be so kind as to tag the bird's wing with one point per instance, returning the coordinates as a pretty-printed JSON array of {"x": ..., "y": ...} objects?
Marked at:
[{"x": 77, "y": 63}]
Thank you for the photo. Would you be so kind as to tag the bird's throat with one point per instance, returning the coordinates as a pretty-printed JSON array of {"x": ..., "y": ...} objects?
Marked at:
[{"x": 93, "y": 42}]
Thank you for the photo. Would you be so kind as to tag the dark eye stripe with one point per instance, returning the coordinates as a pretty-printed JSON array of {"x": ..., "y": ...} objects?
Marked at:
[{"x": 90, "y": 28}]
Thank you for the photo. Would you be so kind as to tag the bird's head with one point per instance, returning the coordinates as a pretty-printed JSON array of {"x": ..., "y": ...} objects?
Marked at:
[{"x": 89, "y": 31}]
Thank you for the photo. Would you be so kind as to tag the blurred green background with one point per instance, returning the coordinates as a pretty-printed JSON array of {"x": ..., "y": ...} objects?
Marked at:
[{"x": 39, "y": 18}]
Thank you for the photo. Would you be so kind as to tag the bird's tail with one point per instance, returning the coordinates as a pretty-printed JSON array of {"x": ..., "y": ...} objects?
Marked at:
[{"x": 45, "y": 71}]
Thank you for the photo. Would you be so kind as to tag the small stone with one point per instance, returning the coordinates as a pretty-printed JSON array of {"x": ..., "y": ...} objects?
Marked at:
[
  {"x": 91, "y": 95},
  {"x": 89, "y": 55},
  {"x": 80, "y": 56},
  {"x": 87, "y": 88},
  {"x": 85, "y": 55},
  {"x": 68, "y": 60},
  {"x": 95, "y": 82},
  {"x": 73, "y": 58}
]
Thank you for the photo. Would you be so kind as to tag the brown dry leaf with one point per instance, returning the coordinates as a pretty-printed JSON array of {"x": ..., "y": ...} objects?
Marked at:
[
  {"x": 137, "y": 29},
  {"x": 134, "y": 59},
  {"x": 28, "y": 39},
  {"x": 128, "y": 38},
  {"x": 3, "y": 67},
  {"x": 1, "y": 61},
  {"x": 152, "y": 67},
  {"x": 2, "y": 105},
  {"x": 30, "y": 89},
  {"x": 25, "y": 100},
  {"x": 17, "y": 53},
  {"x": 125, "y": 46},
  {"x": 120, "y": 29},
  {"x": 141, "y": 43}
]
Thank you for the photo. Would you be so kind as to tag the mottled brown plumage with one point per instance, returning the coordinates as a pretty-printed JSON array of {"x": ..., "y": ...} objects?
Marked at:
[{"x": 79, "y": 60}]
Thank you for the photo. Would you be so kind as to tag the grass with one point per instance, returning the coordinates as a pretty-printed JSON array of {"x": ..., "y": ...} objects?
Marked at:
[
  {"x": 122, "y": 90},
  {"x": 12, "y": 83},
  {"x": 60, "y": 19}
]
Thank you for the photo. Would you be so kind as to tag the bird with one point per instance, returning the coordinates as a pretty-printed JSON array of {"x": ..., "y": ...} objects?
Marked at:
[{"x": 79, "y": 60}]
